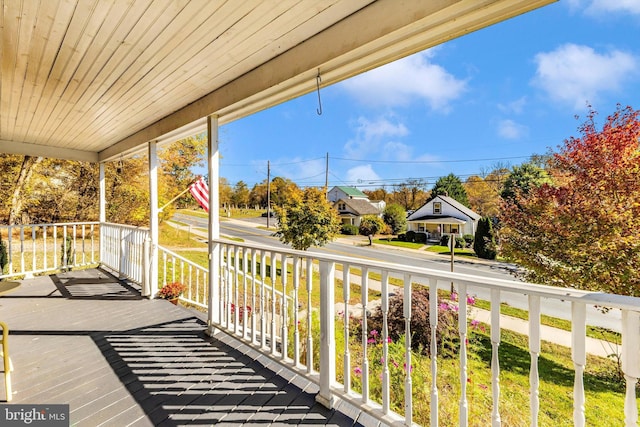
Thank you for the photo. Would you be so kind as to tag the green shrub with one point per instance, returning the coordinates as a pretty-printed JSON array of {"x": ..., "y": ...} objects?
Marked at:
[
  {"x": 468, "y": 240},
  {"x": 444, "y": 240},
  {"x": 349, "y": 230},
  {"x": 484, "y": 244},
  {"x": 410, "y": 236},
  {"x": 460, "y": 242}
]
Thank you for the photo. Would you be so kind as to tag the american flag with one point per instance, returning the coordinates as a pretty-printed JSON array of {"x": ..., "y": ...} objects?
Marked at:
[{"x": 200, "y": 191}]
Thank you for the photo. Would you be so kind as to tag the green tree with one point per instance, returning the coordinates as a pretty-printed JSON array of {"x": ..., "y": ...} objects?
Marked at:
[
  {"x": 482, "y": 198},
  {"x": 583, "y": 232},
  {"x": 307, "y": 219},
  {"x": 484, "y": 242},
  {"x": 370, "y": 225},
  {"x": 409, "y": 194},
  {"x": 451, "y": 186},
  {"x": 240, "y": 195},
  {"x": 395, "y": 217},
  {"x": 523, "y": 178}
]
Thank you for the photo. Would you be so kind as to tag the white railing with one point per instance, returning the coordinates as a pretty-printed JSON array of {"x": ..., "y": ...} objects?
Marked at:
[
  {"x": 175, "y": 268},
  {"x": 269, "y": 299},
  {"x": 39, "y": 248},
  {"x": 122, "y": 250}
]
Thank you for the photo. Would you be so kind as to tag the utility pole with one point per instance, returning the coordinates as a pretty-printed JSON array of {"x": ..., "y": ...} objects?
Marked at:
[
  {"x": 326, "y": 179},
  {"x": 268, "y": 192}
]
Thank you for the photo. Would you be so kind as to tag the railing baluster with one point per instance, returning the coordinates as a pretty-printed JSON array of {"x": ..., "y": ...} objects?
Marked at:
[
  {"x": 385, "y": 344},
  {"x": 229, "y": 297},
  {"x": 22, "y": 270},
  {"x": 10, "y": 248},
  {"x": 495, "y": 360},
  {"x": 462, "y": 326},
  {"x": 263, "y": 301},
  {"x": 296, "y": 309},
  {"x": 253, "y": 296},
  {"x": 579, "y": 356},
  {"x": 34, "y": 267},
  {"x": 84, "y": 258},
  {"x": 631, "y": 364},
  {"x": 274, "y": 267},
  {"x": 55, "y": 246},
  {"x": 534, "y": 350},
  {"x": 245, "y": 268},
  {"x": 364, "y": 288},
  {"x": 45, "y": 263},
  {"x": 408, "y": 367},
  {"x": 309, "y": 315},
  {"x": 284, "y": 331},
  {"x": 73, "y": 249},
  {"x": 433, "y": 321},
  {"x": 346, "y": 282},
  {"x": 236, "y": 292}
]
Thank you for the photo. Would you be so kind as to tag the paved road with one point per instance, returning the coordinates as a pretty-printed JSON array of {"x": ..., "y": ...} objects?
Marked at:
[{"x": 249, "y": 231}]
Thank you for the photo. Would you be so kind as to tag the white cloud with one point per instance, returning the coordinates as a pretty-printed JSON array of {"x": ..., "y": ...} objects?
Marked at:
[
  {"x": 575, "y": 74},
  {"x": 515, "y": 107},
  {"x": 362, "y": 174},
  {"x": 509, "y": 129},
  {"x": 405, "y": 81},
  {"x": 370, "y": 134},
  {"x": 597, "y": 7}
]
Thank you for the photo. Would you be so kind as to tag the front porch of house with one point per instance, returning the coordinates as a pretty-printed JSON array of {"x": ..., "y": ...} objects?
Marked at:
[
  {"x": 86, "y": 339},
  {"x": 264, "y": 344}
]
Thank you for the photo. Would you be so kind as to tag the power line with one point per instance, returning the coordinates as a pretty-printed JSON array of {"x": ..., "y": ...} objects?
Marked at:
[{"x": 430, "y": 161}]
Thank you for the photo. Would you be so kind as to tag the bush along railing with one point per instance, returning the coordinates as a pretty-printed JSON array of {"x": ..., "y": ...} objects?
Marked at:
[
  {"x": 392, "y": 341},
  {"x": 38, "y": 248},
  {"x": 174, "y": 268},
  {"x": 122, "y": 249}
]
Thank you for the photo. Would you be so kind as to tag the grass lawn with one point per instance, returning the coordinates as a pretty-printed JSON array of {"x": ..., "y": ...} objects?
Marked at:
[
  {"x": 399, "y": 243},
  {"x": 444, "y": 250}
]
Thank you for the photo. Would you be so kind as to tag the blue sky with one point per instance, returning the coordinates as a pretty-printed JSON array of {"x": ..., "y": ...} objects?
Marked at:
[{"x": 494, "y": 96}]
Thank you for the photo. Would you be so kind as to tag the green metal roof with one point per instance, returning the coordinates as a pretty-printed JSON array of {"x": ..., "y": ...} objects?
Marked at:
[{"x": 353, "y": 192}]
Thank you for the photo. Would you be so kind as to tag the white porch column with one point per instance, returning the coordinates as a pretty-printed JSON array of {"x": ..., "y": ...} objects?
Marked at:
[
  {"x": 152, "y": 272},
  {"x": 214, "y": 223},
  {"x": 102, "y": 203}
]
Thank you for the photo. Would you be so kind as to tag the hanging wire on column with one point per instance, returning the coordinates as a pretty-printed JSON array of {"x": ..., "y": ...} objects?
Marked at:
[{"x": 318, "y": 81}]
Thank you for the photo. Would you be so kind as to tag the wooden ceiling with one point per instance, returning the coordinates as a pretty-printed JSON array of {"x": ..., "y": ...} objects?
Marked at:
[{"x": 95, "y": 79}]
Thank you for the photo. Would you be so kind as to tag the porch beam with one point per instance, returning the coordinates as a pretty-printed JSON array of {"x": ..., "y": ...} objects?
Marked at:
[{"x": 26, "y": 149}]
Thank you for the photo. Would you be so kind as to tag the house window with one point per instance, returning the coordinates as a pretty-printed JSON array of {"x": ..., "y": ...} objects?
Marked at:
[
  {"x": 437, "y": 208},
  {"x": 342, "y": 207}
]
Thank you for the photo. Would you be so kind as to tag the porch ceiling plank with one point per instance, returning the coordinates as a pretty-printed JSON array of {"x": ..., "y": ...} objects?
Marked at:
[
  {"x": 165, "y": 47},
  {"x": 15, "y": 147},
  {"x": 238, "y": 50},
  {"x": 104, "y": 45},
  {"x": 107, "y": 76},
  {"x": 177, "y": 57},
  {"x": 73, "y": 50}
]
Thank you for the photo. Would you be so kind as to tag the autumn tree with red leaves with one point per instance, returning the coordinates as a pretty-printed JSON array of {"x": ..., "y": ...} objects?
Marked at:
[{"x": 583, "y": 231}]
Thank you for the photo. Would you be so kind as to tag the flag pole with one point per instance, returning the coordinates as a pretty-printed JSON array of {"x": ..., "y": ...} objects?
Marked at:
[{"x": 175, "y": 198}]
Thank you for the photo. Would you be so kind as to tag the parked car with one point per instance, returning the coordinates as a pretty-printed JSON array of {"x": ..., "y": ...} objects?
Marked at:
[{"x": 271, "y": 214}]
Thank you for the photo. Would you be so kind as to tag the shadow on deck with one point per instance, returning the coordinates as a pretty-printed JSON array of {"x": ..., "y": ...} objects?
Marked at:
[{"x": 85, "y": 339}]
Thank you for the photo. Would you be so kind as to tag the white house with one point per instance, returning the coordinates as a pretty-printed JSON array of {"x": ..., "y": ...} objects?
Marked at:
[
  {"x": 443, "y": 215},
  {"x": 342, "y": 192},
  {"x": 351, "y": 211}
]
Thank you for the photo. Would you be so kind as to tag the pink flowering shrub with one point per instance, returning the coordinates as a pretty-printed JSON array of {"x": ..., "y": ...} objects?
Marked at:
[{"x": 446, "y": 332}]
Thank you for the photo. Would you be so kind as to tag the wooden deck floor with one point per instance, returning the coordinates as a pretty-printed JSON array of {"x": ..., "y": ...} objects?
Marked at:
[{"x": 84, "y": 339}]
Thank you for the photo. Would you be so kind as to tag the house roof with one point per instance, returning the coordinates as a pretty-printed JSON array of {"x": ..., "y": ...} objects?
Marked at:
[
  {"x": 352, "y": 191},
  {"x": 462, "y": 208},
  {"x": 418, "y": 215},
  {"x": 94, "y": 81},
  {"x": 359, "y": 206}
]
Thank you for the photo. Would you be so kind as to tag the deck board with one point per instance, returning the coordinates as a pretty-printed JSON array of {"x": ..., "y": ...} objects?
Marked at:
[{"x": 85, "y": 339}]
